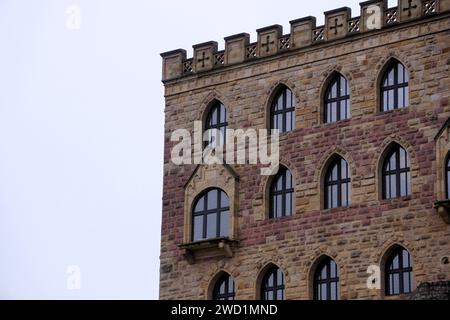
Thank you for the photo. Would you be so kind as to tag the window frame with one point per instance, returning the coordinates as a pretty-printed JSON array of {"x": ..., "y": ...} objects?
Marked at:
[
  {"x": 205, "y": 212},
  {"x": 282, "y": 174},
  {"x": 447, "y": 176},
  {"x": 337, "y": 79},
  {"x": 401, "y": 271},
  {"x": 340, "y": 182},
  {"x": 229, "y": 295},
  {"x": 328, "y": 281},
  {"x": 398, "y": 171},
  {"x": 273, "y": 271},
  {"x": 216, "y": 124},
  {"x": 394, "y": 65},
  {"x": 284, "y": 111}
]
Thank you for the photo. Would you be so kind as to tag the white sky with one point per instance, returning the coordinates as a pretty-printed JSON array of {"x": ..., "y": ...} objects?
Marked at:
[{"x": 81, "y": 134}]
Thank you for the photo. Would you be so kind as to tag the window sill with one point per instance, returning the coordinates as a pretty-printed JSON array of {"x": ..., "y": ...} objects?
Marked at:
[
  {"x": 335, "y": 210},
  {"x": 403, "y": 296},
  {"x": 443, "y": 209},
  {"x": 396, "y": 110},
  {"x": 209, "y": 247},
  {"x": 338, "y": 123},
  {"x": 396, "y": 200}
]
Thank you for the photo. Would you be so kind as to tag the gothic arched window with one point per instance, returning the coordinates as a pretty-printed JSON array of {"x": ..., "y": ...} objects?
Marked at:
[
  {"x": 337, "y": 184},
  {"x": 447, "y": 176},
  {"x": 282, "y": 195},
  {"x": 326, "y": 280},
  {"x": 282, "y": 111},
  {"x": 211, "y": 216},
  {"x": 224, "y": 288},
  {"x": 216, "y": 120},
  {"x": 337, "y": 100},
  {"x": 395, "y": 87},
  {"x": 399, "y": 272},
  {"x": 272, "y": 287},
  {"x": 396, "y": 173}
]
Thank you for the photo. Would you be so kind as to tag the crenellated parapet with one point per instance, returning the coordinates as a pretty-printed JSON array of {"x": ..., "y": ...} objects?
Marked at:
[{"x": 271, "y": 41}]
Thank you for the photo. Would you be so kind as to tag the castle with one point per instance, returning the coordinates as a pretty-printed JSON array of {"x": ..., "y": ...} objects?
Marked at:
[{"x": 359, "y": 208}]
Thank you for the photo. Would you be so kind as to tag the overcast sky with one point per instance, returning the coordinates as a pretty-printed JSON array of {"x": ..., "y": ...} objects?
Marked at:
[{"x": 81, "y": 135}]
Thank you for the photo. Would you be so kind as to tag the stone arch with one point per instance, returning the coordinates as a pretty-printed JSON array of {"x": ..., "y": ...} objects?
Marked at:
[
  {"x": 212, "y": 281},
  {"x": 380, "y": 71},
  {"x": 327, "y": 77},
  {"x": 213, "y": 273},
  {"x": 261, "y": 272},
  {"x": 261, "y": 203},
  {"x": 313, "y": 262},
  {"x": 272, "y": 92},
  {"x": 380, "y": 156},
  {"x": 442, "y": 155},
  {"x": 206, "y": 177},
  {"x": 208, "y": 101},
  {"x": 322, "y": 167},
  {"x": 384, "y": 253},
  {"x": 443, "y": 171}
]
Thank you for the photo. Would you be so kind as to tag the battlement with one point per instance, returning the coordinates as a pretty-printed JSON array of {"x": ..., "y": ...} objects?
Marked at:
[{"x": 339, "y": 23}]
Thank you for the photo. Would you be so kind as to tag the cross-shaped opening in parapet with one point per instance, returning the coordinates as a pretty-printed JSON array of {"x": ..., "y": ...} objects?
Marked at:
[
  {"x": 336, "y": 26},
  {"x": 410, "y": 7},
  {"x": 203, "y": 59},
  {"x": 268, "y": 43}
]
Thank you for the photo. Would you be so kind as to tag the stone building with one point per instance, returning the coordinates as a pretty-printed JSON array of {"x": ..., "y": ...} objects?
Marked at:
[{"x": 358, "y": 208}]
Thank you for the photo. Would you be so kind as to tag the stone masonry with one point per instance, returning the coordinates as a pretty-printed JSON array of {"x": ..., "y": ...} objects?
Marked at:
[{"x": 244, "y": 78}]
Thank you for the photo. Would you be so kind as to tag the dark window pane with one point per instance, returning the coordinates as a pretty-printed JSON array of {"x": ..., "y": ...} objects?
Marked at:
[
  {"x": 224, "y": 201},
  {"x": 212, "y": 200},
  {"x": 288, "y": 204},
  {"x": 333, "y": 291},
  {"x": 323, "y": 291},
  {"x": 198, "y": 228},
  {"x": 270, "y": 280},
  {"x": 224, "y": 221},
  {"x": 211, "y": 228},
  {"x": 200, "y": 205},
  {"x": 406, "y": 283}
]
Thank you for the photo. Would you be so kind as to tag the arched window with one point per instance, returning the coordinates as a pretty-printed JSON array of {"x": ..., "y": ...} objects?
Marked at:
[
  {"x": 337, "y": 184},
  {"x": 399, "y": 272},
  {"x": 282, "y": 195},
  {"x": 216, "y": 119},
  {"x": 272, "y": 287},
  {"x": 396, "y": 173},
  {"x": 337, "y": 100},
  {"x": 282, "y": 111},
  {"x": 447, "y": 176},
  {"x": 224, "y": 288},
  {"x": 326, "y": 280},
  {"x": 211, "y": 216},
  {"x": 395, "y": 87}
]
